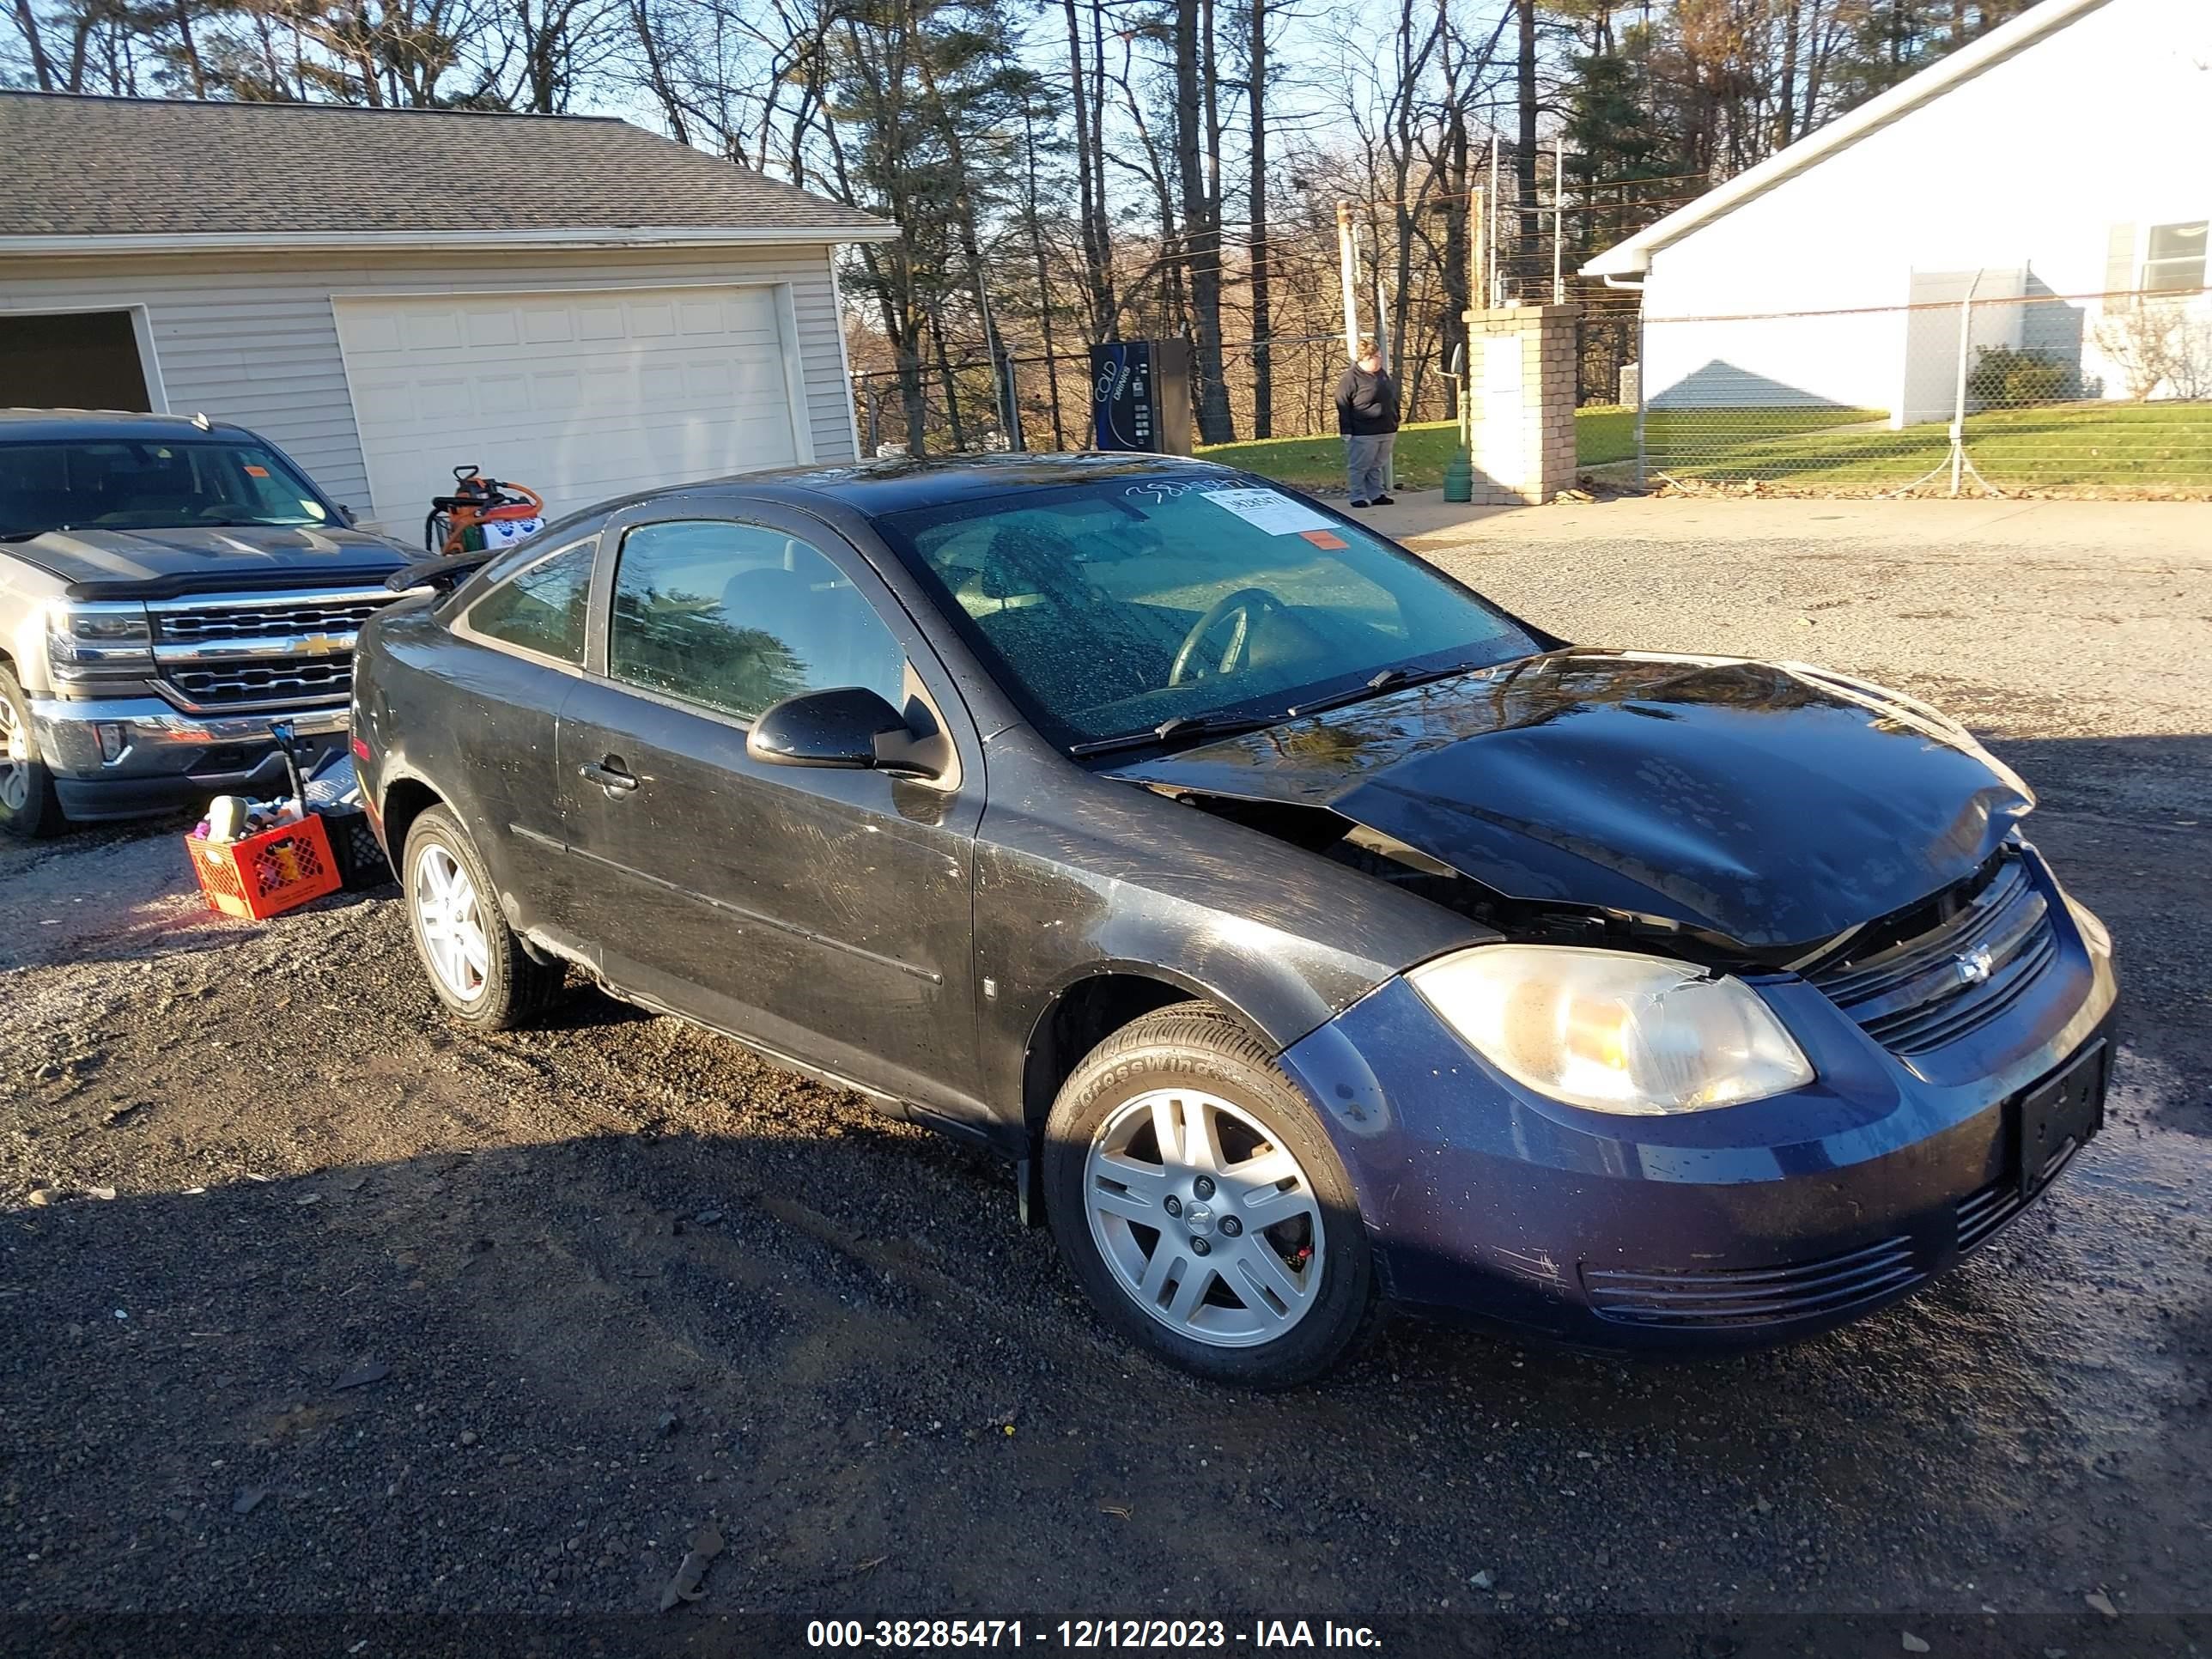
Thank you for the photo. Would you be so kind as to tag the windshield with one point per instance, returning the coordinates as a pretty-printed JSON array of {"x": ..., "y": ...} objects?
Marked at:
[
  {"x": 1113, "y": 607},
  {"x": 144, "y": 484}
]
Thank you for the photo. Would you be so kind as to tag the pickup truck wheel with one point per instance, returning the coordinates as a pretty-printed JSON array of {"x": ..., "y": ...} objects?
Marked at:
[
  {"x": 29, "y": 806},
  {"x": 1196, "y": 1198},
  {"x": 476, "y": 964}
]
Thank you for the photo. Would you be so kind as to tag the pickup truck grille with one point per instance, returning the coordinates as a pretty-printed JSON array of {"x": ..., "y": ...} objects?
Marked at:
[
  {"x": 257, "y": 651},
  {"x": 318, "y": 680},
  {"x": 239, "y": 621}
]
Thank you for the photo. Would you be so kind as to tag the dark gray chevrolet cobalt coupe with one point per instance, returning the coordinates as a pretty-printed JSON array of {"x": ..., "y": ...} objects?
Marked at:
[{"x": 1313, "y": 936}]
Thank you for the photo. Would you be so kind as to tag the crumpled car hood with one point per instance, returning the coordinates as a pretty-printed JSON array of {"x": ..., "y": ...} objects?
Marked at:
[
  {"x": 93, "y": 559},
  {"x": 1771, "y": 804}
]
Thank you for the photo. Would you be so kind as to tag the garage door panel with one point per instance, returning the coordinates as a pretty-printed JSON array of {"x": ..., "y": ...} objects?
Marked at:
[
  {"x": 661, "y": 383},
  {"x": 502, "y": 396},
  {"x": 598, "y": 322},
  {"x": 378, "y": 334},
  {"x": 493, "y": 328},
  {"x": 432, "y": 331},
  {"x": 547, "y": 328},
  {"x": 582, "y": 396},
  {"x": 705, "y": 316}
]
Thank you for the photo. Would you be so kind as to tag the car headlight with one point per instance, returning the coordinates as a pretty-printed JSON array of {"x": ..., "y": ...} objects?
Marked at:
[
  {"x": 84, "y": 638},
  {"x": 1613, "y": 1031}
]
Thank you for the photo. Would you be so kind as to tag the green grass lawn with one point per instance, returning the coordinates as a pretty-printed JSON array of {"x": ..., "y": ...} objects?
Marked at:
[
  {"x": 2094, "y": 445},
  {"x": 1422, "y": 453},
  {"x": 1601, "y": 436}
]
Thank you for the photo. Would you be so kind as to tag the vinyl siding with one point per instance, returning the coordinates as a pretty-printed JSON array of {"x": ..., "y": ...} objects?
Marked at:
[
  {"x": 253, "y": 338},
  {"x": 2044, "y": 172}
]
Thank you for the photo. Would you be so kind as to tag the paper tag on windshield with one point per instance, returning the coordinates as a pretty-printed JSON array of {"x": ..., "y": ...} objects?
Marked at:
[{"x": 1269, "y": 510}]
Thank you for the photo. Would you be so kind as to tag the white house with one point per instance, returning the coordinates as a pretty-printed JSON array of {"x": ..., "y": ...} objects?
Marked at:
[
  {"x": 2056, "y": 168},
  {"x": 571, "y": 302}
]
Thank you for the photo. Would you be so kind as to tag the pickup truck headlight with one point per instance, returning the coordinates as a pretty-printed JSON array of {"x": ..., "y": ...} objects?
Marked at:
[
  {"x": 1644, "y": 1037},
  {"x": 93, "y": 637}
]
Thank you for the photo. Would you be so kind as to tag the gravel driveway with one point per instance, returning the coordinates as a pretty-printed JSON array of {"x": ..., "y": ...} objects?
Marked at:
[{"x": 312, "y": 1303}]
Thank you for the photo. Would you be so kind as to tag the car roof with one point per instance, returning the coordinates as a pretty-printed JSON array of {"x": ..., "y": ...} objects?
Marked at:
[
  {"x": 30, "y": 425},
  {"x": 875, "y": 488}
]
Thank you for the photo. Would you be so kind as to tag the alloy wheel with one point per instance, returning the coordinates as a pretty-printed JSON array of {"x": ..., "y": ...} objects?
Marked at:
[
  {"x": 451, "y": 917},
  {"x": 1206, "y": 1220},
  {"x": 15, "y": 758}
]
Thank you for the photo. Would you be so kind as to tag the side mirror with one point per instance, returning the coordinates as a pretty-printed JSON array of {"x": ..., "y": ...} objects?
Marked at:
[
  {"x": 347, "y": 516},
  {"x": 849, "y": 727}
]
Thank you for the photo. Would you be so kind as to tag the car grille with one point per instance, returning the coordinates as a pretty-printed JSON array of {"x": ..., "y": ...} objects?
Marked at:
[
  {"x": 246, "y": 622},
  {"x": 319, "y": 679},
  {"x": 1687, "y": 1299},
  {"x": 1986, "y": 1210},
  {"x": 1936, "y": 978},
  {"x": 260, "y": 651}
]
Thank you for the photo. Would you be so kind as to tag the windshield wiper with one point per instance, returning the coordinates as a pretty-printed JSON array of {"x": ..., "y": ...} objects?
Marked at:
[
  {"x": 1181, "y": 726},
  {"x": 1390, "y": 680}
]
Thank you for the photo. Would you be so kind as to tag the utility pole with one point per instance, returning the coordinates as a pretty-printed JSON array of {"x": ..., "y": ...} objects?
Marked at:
[
  {"x": 1478, "y": 295},
  {"x": 1490, "y": 281},
  {"x": 1559, "y": 215},
  {"x": 1348, "y": 256}
]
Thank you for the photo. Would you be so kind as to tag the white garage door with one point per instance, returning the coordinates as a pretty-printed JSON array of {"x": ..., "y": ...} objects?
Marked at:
[{"x": 582, "y": 396}]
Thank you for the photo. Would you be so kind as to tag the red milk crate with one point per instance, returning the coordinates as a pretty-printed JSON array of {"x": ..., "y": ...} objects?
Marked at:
[{"x": 264, "y": 874}]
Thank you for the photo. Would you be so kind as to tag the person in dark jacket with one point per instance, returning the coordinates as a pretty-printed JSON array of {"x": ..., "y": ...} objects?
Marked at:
[{"x": 1367, "y": 415}]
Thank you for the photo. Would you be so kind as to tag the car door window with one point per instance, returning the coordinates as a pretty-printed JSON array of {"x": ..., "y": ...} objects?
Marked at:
[
  {"x": 738, "y": 616},
  {"x": 540, "y": 608}
]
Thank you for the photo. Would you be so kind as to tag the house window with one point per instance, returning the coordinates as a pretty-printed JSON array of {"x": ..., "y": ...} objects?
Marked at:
[{"x": 2176, "y": 258}]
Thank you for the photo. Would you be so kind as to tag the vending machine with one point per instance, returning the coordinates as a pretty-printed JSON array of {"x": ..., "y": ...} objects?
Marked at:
[{"x": 1140, "y": 396}]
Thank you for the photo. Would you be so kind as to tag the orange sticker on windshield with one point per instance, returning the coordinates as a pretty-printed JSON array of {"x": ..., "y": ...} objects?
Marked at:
[
  {"x": 253, "y": 472},
  {"x": 1328, "y": 539}
]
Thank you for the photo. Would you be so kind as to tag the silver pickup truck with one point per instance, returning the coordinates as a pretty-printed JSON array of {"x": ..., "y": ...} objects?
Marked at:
[{"x": 169, "y": 587}]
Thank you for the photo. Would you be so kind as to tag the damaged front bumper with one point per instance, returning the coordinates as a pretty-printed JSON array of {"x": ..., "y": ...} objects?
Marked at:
[{"x": 1745, "y": 1224}]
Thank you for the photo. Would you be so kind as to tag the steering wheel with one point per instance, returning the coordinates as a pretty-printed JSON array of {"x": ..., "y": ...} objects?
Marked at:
[{"x": 1249, "y": 605}]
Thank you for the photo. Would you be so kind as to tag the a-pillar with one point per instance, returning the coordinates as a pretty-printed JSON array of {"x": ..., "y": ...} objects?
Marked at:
[{"x": 1521, "y": 384}]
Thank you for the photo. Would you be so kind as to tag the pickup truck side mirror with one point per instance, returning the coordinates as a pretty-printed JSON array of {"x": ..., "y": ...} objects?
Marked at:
[
  {"x": 849, "y": 727},
  {"x": 347, "y": 516}
]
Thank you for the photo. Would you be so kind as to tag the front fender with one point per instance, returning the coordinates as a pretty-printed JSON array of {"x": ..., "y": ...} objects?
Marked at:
[{"x": 1077, "y": 876}]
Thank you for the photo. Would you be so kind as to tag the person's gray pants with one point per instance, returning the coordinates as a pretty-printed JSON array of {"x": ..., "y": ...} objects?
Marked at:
[{"x": 1367, "y": 465}]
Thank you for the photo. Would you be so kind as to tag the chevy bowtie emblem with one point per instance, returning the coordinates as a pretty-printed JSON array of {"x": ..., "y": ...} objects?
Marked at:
[
  {"x": 321, "y": 645},
  {"x": 1974, "y": 967}
]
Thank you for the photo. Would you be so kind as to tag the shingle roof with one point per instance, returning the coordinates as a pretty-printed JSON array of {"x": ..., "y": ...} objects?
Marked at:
[{"x": 124, "y": 166}]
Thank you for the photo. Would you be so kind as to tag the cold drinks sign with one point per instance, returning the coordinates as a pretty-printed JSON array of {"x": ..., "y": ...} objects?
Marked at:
[{"x": 1140, "y": 396}]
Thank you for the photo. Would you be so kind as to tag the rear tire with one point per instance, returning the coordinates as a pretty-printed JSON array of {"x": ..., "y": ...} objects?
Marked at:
[
  {"x": 474, "y": 962},
  {"x": 1237, "y": 1252},
  {"x": 29, "y": 808}
]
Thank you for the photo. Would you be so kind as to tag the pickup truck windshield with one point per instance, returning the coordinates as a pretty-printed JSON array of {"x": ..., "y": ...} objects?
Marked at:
[
  {"x": 150, "y": 485},
  {"x": 1113, "y": 608}
]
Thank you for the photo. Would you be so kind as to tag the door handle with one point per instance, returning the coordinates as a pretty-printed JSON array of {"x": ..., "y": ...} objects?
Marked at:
[{"x": 609, "y": 774}]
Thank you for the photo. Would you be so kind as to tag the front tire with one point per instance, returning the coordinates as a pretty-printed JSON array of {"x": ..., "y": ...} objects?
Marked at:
[
  {"x": 1198, "y": 1201},
  {"x": 29, "y": 808},
  {"x": 475, "y": 962}
]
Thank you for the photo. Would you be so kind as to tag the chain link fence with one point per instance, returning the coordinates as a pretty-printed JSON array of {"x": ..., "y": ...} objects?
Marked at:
[
  {"x": 1983, "y": 384},
  {"x": 958, "y": 396}
]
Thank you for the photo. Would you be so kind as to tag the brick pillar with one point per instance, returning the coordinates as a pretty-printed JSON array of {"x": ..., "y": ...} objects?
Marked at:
[{"x": 1521, "y": 380}]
